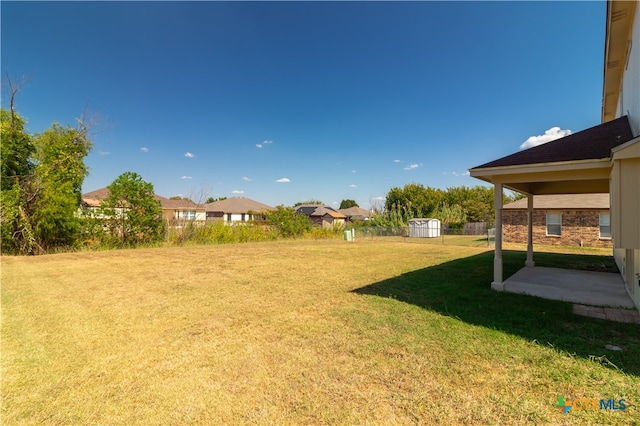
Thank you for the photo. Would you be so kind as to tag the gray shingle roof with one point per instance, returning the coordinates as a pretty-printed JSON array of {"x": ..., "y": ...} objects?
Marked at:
[
  {"x": 315, "y": 210},
  {"x": 590, "y": 144}
]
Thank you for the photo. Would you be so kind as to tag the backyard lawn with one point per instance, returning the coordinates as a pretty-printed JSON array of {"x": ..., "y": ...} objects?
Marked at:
[{"x": 303, "y": 332}]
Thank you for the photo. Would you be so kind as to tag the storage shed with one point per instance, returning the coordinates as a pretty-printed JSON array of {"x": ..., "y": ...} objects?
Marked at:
[{"x": 424, "y": 228}]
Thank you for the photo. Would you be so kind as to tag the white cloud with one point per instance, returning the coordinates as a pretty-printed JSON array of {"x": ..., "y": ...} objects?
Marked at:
[
  {"x": 144, "y": 149},
  {"x": 189, "y": 155},
  {"x": 461, "y": 174},
  {"x": 246, "y": 179},
  {"x": 104, "y": 153},
  {"x": 237, "y": 191},
  {"x": 353, "y": 186},
  {"x": 412, "y": 166},
  {"x": 397, "y": 161},
  {"x": 549, "y": 135},
  {"x": 283, "y": 180},
  {"x": 259, "y": 145},
  {"x": 381, "y": 198},
  {"x": 186, "y": 177}
]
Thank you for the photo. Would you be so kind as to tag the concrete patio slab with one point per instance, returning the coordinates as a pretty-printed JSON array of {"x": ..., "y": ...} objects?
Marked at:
[{"x": 583, "y": 287}]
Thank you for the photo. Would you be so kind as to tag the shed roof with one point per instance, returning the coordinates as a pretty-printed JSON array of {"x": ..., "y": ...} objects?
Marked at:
[{"x": 563, "y": 201}]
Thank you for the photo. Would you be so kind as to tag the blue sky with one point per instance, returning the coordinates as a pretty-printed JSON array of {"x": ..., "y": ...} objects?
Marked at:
[{"x": 283, "y": 102}]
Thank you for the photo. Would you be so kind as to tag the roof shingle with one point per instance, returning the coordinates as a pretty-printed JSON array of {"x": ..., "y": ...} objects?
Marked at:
[{"x": 590, "y": 144}]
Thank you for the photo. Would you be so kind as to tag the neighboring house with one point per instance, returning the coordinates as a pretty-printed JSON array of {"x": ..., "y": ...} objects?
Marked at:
[
  {"x": 356, "y": 214},
  {"x": 172, "y": 210},
  {"x": 324, "y": 216},
  {"x": 177, "y": 211},
  {"x": 560, "y": 219},
  {"x": 236, "y": 210},
  {"x": 602, "y": 159}
]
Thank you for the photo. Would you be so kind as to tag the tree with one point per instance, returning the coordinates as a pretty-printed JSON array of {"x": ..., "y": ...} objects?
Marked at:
[
  {"x": 134, "y": 214},
  {"x": 16, "y": 167},
  {"x": 287, "y": 222},
  {"x": 213, "y": 200},
  {"x": 58, "y": 177},
  {"x": 345, "y": 204},
  {"x": 41, "y": 185},
  {"x": 413, "y": 200}
]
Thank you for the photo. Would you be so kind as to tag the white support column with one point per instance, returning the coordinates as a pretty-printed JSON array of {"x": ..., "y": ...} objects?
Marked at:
[
  {"x": 497, "y": 283},
  {"x": 529, "y": 261}
]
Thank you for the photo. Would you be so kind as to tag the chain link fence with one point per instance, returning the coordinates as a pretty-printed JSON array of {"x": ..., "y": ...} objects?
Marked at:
[{"x": 476, "y": 235}]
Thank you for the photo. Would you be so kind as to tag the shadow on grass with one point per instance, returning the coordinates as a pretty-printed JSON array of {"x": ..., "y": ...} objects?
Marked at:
[{"x": 461, "y": 289}]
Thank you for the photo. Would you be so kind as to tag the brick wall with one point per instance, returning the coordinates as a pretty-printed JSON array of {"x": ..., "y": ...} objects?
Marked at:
[{"x": 579, "y": 228}]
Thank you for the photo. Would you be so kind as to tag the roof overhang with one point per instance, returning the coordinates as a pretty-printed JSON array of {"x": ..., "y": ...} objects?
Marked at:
[
  {"x": 570, "y": 177},
  {"x": 616, "y": 53}
]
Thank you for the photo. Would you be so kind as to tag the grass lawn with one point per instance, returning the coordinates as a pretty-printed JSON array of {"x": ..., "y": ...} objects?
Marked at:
[{"x": 302, "y": 332}]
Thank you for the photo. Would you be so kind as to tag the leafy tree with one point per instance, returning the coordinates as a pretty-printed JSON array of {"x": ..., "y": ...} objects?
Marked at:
[
  {"x": 41, "y": 178},
  {"x": 287, "y": 222},
  {"x": 16, "y": 167},
  {"x": 213, "y": 200},
  {"x": 413, "y": 200},
  {"x": 134, "y": 214},
  {"x": 177, "y": 197},
  {"x": 58, "y": 177},
  {"x": 345, "y": 204}
]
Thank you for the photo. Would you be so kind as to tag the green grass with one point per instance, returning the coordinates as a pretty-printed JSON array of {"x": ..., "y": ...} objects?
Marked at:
[{"x": 301, "y": 332}]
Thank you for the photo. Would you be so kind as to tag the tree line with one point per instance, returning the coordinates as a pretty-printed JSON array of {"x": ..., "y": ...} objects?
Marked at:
[
  {"x": 454, "y": 206},
  {"x": 41, "y": 201}
]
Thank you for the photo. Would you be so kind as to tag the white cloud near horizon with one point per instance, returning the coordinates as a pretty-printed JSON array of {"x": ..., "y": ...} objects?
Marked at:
[
  {"x": 189, "y": 154},
  {"x": 246, "y": 179},
  {"x": 237, "y": 191},
  {"x": 353, "y": 185},
  {"x": 260, "y": 145},
  {"x": 549, "y": 135},
  {"x": 412, "y": 166},
  {"x": 461, "y": 174},
  {"x": 144, "y": 149},
  {"x": 283, "y": 180},
  {"x": 186, "y": 177}
]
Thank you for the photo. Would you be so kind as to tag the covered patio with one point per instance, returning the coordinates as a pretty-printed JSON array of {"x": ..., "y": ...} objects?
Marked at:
[
  {"x": 576, "y": 164},
  {"x": 584, "y": 287}
]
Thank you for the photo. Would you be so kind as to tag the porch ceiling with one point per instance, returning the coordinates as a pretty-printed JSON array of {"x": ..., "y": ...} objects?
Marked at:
[{"x": 582, "y": 177}]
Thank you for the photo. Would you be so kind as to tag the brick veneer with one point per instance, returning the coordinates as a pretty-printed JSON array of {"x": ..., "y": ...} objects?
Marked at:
[{"x": 579, "y": 228}]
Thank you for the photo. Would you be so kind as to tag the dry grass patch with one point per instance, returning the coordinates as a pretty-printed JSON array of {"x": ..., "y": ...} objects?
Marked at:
[{"x": 283, "y": 333}]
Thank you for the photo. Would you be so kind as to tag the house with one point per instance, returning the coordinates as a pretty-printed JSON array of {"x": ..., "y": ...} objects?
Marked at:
[
  {"x": 602, "y": 159},
  {"x": 173, "y": 211},
  {"x": 560, "y": 219},
  {"x": 324, "y": 216},
  {"x": 355, "y": 214},
  {"x": 236, "y": 210},
  {"x": 177, "y": 211}
]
